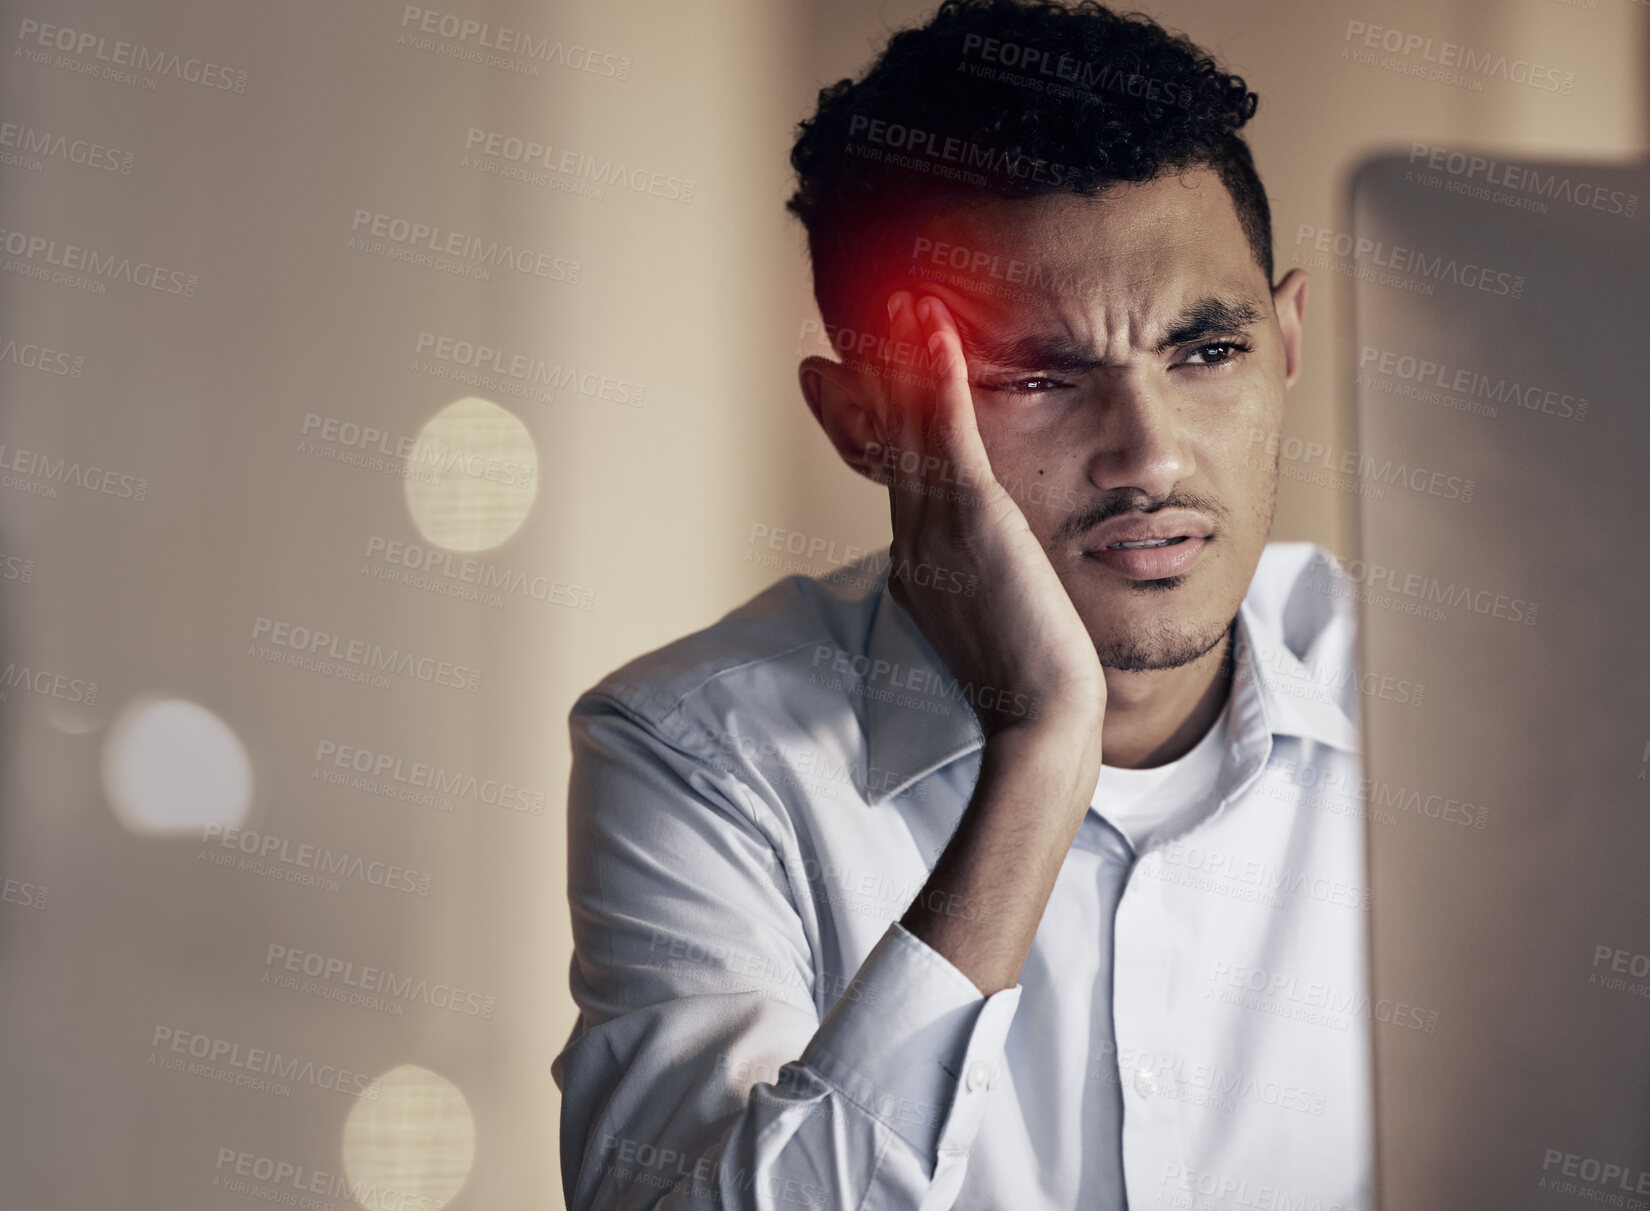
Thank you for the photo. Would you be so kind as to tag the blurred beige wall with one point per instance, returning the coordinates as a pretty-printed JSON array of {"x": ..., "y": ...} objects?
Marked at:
[{"x": 668, "y": 443}]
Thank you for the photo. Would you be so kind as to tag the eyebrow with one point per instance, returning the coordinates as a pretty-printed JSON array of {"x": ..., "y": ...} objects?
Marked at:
[{"x": 1207, "y": 317}]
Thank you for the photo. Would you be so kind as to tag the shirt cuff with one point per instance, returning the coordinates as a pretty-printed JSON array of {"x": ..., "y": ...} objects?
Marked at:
[{"x": 915, "y": 1044}]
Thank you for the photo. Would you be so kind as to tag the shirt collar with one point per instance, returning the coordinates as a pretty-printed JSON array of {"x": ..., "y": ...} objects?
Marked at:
[{"x": 1273, "y": 693}]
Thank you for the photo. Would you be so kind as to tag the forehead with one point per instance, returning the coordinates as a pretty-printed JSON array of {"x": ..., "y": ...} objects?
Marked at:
[{"x": 1134, "y": 256}]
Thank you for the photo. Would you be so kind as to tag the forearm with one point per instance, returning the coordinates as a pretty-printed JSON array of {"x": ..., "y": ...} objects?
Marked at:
[{"x": 982, "y": 903}]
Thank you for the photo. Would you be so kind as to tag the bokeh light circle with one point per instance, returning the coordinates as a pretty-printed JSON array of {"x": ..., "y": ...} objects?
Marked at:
[
  {"x": 473, "y": 476},
  {"x": 412, "y": 1146},
  {"x": 172, "y": 766}
]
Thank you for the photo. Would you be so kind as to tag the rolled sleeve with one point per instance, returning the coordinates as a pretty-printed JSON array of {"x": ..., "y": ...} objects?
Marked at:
[{"x": 914, "y": 1043}]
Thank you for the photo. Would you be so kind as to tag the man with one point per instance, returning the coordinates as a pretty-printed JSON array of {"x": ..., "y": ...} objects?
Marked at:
[{"x": 984, "y": 874}]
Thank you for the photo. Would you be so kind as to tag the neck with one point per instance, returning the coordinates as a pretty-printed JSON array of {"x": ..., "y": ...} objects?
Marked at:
[{"x": 1158, "y": 715}]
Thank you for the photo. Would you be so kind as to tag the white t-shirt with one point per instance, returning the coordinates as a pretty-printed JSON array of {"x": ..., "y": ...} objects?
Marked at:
[{"x": 1143, "y": 804}]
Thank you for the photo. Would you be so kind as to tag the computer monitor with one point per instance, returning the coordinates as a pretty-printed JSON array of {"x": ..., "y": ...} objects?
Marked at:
[{"x": 1501, "y": 462}]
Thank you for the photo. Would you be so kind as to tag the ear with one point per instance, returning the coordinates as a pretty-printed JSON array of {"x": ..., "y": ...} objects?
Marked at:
[
  {"x": 841, "y": 401},
  {"x": 1289, "y": 301}
]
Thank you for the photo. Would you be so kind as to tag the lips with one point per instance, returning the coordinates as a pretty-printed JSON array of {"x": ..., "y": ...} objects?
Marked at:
[
  {"x": 1150, "y": 546},
  {"x": 1152, "y": 529}
]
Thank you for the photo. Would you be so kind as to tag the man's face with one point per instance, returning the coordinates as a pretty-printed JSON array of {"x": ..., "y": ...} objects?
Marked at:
[{"x": 1127, "y": 367}]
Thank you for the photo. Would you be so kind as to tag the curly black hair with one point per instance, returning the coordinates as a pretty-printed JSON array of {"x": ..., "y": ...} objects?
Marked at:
[{"x": 1010, "y": 99}]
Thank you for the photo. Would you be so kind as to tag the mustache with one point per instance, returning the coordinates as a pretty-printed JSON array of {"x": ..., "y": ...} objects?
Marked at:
[{"x": 1127, "y": 501}]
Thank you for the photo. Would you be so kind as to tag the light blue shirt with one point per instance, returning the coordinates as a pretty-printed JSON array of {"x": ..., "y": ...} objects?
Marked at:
[{"x": 753, "y": 807}]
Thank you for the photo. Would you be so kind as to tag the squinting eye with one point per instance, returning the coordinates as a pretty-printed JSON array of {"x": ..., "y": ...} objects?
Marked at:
[
  {"x": 1222, "y": 351},
  {"x": 1023, "y": 386}
]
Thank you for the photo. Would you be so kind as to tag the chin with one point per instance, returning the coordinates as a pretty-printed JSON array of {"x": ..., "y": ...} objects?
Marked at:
[{"x": 1155, "y": 641}]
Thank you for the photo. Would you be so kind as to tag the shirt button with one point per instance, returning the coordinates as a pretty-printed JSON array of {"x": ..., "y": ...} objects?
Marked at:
[
  {"x": 1145, "y": 1082},
  {"x": 978, "y": 1077}
]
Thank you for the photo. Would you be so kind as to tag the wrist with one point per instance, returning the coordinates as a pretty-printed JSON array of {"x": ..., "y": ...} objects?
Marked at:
[
  {"x": 1065, "y": 720},
  {"x": 1068, "y": 736}
]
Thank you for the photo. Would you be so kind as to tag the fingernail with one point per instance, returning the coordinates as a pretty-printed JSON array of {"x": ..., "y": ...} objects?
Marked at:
[{"x": 894, "y": 303}]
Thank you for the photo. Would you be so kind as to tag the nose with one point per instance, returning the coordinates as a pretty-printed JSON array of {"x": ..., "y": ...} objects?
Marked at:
[{"x": 1142, "y": 441}]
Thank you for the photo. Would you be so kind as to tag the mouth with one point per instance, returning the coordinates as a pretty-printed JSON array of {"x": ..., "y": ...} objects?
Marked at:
[
  {"x": 1150, "y": 546},
  {"x": 1144, "y": 544},
  {"x": 1150, "y": 531}
]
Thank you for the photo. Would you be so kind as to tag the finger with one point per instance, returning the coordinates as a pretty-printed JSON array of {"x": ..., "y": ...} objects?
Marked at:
[
  {"x": 904, "y": 405},
  {"x": 907, "y": 394},
  {"x": 955, "y": 425}
]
